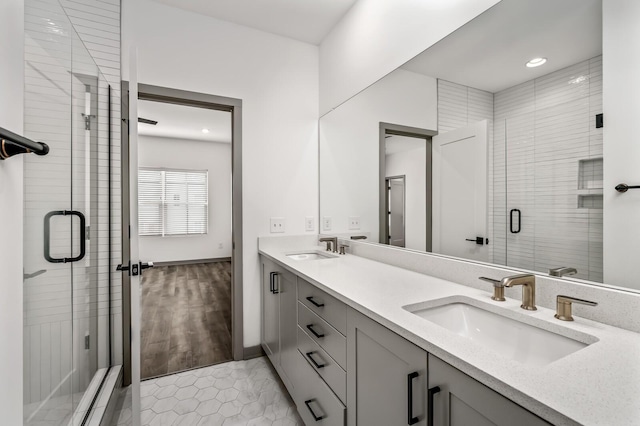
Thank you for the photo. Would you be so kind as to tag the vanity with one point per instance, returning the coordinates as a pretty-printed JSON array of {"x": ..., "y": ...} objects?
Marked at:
[{"x": 361, "y": 342}]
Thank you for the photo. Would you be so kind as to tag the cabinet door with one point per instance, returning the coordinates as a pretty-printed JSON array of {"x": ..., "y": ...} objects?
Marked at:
[
  {"x": 462, "y": 401},
  {"x": 286, "y": 284},
  {"x": 386, "y": 376},
  {"x": 270, "y": 311}
]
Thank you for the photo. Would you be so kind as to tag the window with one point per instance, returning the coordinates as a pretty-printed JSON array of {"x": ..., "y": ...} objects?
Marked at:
[{"x": 172, "y": 202}]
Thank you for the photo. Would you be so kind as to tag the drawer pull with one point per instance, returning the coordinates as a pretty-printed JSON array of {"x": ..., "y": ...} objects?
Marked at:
[
  {"x": 308, "y": 404},
  {"x": 316, "y": 304},
  {"x": 313, "y": 361},
  {"x": 315, "y": 333},
  {"x": 410, "y": 419},
  {"x": 430, "y": 393}
]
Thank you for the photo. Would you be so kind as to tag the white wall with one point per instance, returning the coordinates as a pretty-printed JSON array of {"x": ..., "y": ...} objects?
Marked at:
[
  {"x": 413, "y": 165},
  {"x": 192, "y": 155},
  {"x": 277, "y": 80},
  {"x": 11, "y": 199},
  {"x": 377, "y": 36},
  {"x": 621, "y": 105},
  {"x": 349, "y": 145}
]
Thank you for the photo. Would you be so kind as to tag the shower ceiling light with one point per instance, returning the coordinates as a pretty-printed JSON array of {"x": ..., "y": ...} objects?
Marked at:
[
  {"x": 205, "y": 130},
  {"x": 536, "y": 62}
]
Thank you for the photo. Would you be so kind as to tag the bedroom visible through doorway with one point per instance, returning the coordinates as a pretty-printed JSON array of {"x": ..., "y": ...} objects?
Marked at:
[{"x": 185, "y": 227}]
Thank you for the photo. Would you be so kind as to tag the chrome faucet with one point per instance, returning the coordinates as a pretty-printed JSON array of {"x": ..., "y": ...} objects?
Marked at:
[
  {"x": 332, "y": 243},
  {"x": 562, "y": 271},
  {"x": 528, "y": 283}
]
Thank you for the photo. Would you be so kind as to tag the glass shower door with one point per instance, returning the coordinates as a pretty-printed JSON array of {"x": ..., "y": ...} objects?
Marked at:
[{"x": 66, "y": 321}]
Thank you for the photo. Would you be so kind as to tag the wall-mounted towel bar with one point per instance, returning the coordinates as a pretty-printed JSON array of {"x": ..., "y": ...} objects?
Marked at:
[
  {"x": 623, "y": 187},
  {"x": 12, "y": 144}
]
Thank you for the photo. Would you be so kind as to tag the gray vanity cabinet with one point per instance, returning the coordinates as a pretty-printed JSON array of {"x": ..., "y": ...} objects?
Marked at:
[
  {"x": 386, "y": 376},
  {"x": 279, "y": 325},
  {"x": 459, "y": 400}
]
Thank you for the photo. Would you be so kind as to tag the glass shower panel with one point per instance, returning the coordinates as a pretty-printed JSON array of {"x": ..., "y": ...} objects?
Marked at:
[{"x": 66, "y": 302}]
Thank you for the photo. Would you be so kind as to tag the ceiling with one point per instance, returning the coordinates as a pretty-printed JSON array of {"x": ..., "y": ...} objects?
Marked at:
[
  {"x": 305, "y": 20},
  {"x": 184, "y": 122},
  {"x": 490, "y": 52}
]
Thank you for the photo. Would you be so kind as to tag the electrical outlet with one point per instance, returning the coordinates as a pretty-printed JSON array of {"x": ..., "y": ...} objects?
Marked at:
[
  {"x": 308, "y": 224},
  {"x": 277, "y": 225},
  {"x": 326, "y": 223},
  {"x": 354, "y": 222}
]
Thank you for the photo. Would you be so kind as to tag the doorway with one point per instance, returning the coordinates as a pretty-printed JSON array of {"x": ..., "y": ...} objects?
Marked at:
[
  {"x": 189, "y": 225},
  {"x": 396, "y": 209},
  {"x": 405, "y": 186}
]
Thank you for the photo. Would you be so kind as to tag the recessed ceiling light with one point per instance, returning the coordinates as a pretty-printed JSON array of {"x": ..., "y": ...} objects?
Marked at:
[
  {"x": 536, "y": 62},
  {"x": 205, "y": 130}
]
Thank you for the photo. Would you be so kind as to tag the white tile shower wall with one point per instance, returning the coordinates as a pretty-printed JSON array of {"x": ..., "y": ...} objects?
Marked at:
[
  {"x": 49, "y": 308},
  {"x": 549, "y": 128},
  {"x": 543, "y": 131},
  {"x": 459, "y": 106}
]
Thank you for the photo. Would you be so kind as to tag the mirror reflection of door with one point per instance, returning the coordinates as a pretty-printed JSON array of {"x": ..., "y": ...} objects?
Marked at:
[
  {"x": 460, "y": 192},
  {"x": 405, "y": 215},
  {"x": 396, "y": 210}
]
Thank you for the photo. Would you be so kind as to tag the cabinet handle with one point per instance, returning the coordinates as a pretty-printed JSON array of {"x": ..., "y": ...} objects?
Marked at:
[
  {"x": 271, "y": 275},
  {"x": 410, "y": 419},
  {"x": 316, "y": 304},
  {"x": 313, "y": 361},
  {"x": 434, "y": 390},
  {"x": 315, "y": 333},
  {"x": 308, "y": 404},
  {"x": 276, "y": 279}
]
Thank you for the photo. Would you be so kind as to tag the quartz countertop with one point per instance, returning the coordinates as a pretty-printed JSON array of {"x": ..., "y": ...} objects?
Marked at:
[{"x": 597, "y": 385}]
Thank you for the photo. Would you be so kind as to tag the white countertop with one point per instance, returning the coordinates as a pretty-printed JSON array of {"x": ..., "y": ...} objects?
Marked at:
[{"x": 597, "y": 385}]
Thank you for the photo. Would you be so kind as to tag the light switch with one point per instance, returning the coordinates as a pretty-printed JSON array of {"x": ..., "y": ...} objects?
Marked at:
[{"x": 308, "y": 224}]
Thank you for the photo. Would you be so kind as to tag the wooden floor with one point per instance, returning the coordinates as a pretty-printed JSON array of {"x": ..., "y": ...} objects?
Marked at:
[{"x": 186, "y": 317}]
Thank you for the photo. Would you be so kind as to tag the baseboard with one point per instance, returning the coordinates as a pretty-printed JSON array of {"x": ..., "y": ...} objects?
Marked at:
[
  {"x": 192, "y": 262},
  {"x": 253, "y": 352}
]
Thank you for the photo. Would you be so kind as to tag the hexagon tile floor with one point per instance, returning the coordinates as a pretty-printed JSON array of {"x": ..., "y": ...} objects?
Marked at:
[{"x": 233, "y": 393}]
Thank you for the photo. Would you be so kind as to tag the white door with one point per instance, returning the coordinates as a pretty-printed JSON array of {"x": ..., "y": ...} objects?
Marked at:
[
  {"x": 396, "y": 211},
  {"x": 460, "y": 192}
]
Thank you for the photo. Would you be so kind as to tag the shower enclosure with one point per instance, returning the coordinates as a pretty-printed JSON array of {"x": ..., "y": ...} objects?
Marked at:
[{"x": 68, "y": 315}]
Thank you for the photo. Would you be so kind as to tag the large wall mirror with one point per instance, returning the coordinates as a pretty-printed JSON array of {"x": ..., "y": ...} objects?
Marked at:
[{"x": 488, "y": 146}]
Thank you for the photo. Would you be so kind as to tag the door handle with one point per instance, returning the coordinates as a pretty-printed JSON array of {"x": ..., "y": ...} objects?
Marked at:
[
  {"x": 478, "y": 240},
  {"x": 47, "y": 236},
  {"x": 430, "y": 393}
]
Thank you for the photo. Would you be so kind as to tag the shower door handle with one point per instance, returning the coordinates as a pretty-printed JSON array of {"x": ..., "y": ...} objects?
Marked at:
[
  {"x": 47, "y": 236},
  {"x": 513, "y": 231}
]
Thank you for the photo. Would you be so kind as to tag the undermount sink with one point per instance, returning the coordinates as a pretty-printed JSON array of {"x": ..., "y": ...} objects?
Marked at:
[
  {"x": 511, "y": 338},
  {"x": 310, "y": 255}
]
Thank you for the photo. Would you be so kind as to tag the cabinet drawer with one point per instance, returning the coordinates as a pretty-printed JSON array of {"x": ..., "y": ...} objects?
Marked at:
[
  {"x": 323, "y": 334},
  {"x": 324, "y": 365},
  {"x": 328, "y": 307},
  {"x": 317, "y": 405}
]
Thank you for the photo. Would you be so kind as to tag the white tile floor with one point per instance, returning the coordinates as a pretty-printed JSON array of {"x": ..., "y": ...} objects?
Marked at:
[{"x": 233, "y": 393}]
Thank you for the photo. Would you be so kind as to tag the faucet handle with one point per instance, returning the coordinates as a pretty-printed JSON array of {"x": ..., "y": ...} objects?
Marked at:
[
  {"x": 498, "y": 289},
  {"x": 563, "y": 306}
]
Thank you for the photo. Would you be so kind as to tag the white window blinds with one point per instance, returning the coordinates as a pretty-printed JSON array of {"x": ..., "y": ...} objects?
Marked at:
[{"x": 172, "y": 202}]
